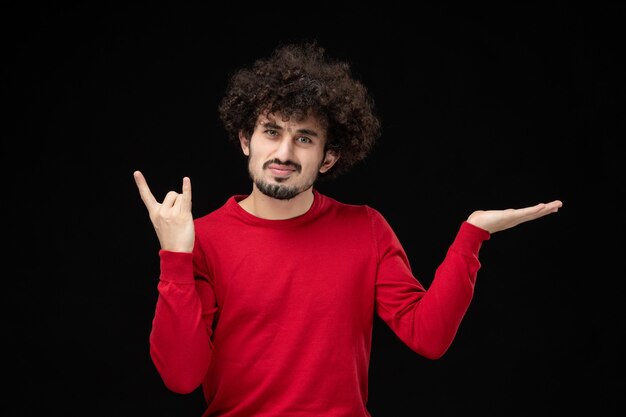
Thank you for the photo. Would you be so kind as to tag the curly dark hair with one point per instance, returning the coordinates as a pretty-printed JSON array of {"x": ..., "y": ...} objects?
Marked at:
[{"x": 297, "y": 80}]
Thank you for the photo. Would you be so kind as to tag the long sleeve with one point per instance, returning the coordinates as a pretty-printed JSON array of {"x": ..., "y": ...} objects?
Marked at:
[
  {"x": 426, "y": 320},
  {"x": 180, "y": 339}
]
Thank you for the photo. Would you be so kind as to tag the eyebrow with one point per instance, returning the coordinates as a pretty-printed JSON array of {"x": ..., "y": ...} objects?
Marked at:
[{"x": 273, "y": 125}]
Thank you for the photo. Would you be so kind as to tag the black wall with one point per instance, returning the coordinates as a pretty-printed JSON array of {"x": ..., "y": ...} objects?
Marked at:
[{"x": 482, "y": 108}]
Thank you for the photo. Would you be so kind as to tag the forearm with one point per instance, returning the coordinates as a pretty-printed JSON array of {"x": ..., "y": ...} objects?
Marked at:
[
  {"x": 180, "y": 344},
  {"x": 444, "y": 305}
]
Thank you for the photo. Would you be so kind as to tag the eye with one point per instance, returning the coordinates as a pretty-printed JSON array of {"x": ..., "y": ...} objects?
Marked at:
[
  {"x": 304, "y": 139},
  {"x": 271, "y": 132}
]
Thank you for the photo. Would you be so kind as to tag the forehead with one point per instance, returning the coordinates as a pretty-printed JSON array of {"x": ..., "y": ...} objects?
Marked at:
[{"x": 309, "y": 123}]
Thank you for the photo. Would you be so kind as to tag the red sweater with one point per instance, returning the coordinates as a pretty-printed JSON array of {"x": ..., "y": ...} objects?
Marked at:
[{"x": 275, "y": 317}]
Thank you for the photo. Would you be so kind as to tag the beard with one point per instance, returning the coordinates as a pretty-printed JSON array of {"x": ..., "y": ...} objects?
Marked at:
[{"x": 281, "y": 191}]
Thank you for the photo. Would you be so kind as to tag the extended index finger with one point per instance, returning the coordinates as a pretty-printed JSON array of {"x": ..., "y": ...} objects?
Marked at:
[{"x": 144, "y": 191}]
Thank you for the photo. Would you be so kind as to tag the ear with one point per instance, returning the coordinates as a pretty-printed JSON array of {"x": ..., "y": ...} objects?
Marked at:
[
  {"x": 329, "y": 160},
  {"x": 245, "y": 143}
]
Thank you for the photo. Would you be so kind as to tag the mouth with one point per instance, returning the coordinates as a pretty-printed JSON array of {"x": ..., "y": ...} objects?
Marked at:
[{"x": 281, "y": 171}]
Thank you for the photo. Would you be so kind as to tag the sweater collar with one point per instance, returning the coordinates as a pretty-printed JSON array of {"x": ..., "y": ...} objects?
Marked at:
[{"x": 233, "y": 204}]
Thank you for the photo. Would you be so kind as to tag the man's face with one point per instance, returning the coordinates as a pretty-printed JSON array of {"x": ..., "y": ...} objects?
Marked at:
[{"x": 285, "y": 157}]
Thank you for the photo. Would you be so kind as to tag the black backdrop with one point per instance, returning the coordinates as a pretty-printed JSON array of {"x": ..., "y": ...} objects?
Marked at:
[{"x": 482, "y": 107}]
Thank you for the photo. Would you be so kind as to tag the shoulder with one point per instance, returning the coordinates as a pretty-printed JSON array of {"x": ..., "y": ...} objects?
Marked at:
[
  {"x": 219, "y": 215},
  {"x": 350, "y": 210}
]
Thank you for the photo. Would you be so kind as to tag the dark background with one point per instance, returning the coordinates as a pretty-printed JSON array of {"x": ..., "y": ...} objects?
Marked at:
[{"x": 482, "y": 107}]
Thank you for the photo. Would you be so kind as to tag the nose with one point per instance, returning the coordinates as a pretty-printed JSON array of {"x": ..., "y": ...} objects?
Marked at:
[{"x": 284, "y": 149}]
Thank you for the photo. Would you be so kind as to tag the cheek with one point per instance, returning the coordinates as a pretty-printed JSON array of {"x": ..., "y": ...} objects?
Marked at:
[
  {"x": 256, "y": 160},
  {"x": 319, "y": 161},
  {"x": 259, "y": 150}
]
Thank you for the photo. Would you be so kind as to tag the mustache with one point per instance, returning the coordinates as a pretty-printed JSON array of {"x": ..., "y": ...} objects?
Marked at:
[{"x": 297, "y": 167}]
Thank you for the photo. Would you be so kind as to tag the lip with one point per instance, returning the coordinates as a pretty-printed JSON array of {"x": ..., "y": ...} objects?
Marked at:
[{"x": 280, "y": 170}]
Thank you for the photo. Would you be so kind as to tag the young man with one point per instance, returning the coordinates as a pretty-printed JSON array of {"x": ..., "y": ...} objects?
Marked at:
[{"x": 268, "y": 302}]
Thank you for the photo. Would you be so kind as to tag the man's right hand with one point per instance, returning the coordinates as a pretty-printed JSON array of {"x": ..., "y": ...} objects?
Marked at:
[{"x": 172, "y": 219}]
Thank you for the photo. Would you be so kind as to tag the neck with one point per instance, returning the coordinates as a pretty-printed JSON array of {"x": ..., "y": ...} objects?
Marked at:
[{"x": 260, "y": 205}]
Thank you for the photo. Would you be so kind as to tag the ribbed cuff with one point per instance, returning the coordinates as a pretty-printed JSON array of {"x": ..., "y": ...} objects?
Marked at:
[
  {"x": 469, "y": 239},
  {"x": 176, "y": 267}
]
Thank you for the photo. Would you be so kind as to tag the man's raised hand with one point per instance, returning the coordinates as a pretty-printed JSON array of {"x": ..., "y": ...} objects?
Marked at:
[
  {"x": 497, "y": 220},
  {"x": 172, "y": 219}
]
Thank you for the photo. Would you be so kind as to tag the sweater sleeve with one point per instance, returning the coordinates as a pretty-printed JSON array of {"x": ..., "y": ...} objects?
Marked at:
[
  {"x": 180, "y": 339},
  {"x": 426, "y": 320}
]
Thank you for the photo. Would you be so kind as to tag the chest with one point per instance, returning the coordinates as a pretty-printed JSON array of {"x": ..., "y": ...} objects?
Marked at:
[{"x": 312, "y": 272}]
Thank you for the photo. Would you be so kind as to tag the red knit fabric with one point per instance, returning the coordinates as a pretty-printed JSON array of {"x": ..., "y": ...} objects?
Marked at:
[{"x": 274, "y": 317}]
